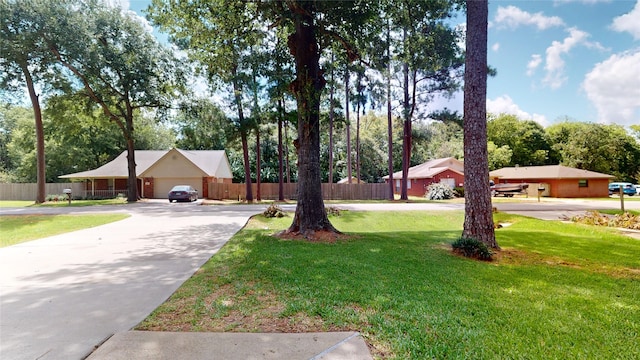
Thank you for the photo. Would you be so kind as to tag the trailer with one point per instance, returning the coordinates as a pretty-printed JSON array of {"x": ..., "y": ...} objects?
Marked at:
[{"x": 508, "y": 190}]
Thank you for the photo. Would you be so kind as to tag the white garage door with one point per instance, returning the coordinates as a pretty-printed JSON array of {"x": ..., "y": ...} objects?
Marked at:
[{"x": 161, "y": 187}]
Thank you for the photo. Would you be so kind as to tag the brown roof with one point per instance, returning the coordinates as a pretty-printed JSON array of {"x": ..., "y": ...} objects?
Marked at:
[
  {"x": 546, "y": 172},
  {"x": 431, "y": 168}
]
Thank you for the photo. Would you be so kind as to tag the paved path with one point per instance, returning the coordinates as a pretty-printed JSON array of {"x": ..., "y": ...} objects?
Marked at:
[{"x": 65, "y": 294}]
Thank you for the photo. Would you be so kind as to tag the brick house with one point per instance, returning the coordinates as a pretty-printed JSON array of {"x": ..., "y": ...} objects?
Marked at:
[
  {"x": 445, "y": 170},
  {"x": 157, "y": 171},
  {"x": 557, "y": 180}
]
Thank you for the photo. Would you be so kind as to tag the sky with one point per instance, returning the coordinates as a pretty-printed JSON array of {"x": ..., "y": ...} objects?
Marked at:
[{"x": 556, "y": 59}]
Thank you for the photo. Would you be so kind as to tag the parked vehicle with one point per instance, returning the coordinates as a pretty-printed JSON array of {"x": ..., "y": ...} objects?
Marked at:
[
  {"x": 627, "y": 188},
  {"x": 183, "y": 193},
  {"x": 508, "y": 190},
  {"x": 637, "y": 189}
]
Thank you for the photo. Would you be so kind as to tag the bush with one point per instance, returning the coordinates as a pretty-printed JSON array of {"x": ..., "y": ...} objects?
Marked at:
[
  {"x": 274, "y": 211},
  {"x": 332, "y": 211},
  {"x": 472, "y": 248},
  {"x": 459, "y": 191},
  {"x": 56, "y": 197},
  {"x": 626, "y": 220},
  {"x": 439, "y": 191}
]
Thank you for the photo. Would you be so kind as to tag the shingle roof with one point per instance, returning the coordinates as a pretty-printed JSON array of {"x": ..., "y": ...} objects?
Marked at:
[
  {"x": 546, "y": 172},
  {"x": 209, "y": 161},
  {"x": 431, "y": 168}
]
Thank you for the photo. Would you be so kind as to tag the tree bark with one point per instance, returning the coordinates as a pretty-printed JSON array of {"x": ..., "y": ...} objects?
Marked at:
[
  {"x": 347, "y": 123},
  {"x": 41, "y": 179},
  {"x": 280, "y": 165},
  {"x": 310, "y": 215},
  {"x": 258, "y": 164},
  {"x": 406, "y": 135},
  {"x": 331, "y": 91},
  {"x": 389, "y": 115},
  {"x": 243, "y": 137},
  {"x": 478, "y": 219}
]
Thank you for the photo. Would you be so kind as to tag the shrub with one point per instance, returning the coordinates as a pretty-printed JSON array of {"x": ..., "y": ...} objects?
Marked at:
[
  {"x": 472, "y": 248},
  {"x": 439, "y": 191},
  {"x": 459, "y": 191},
  {"x": 332, "y": 211},
  {"x": 626, "y": 220},
  {"x": 274, "y": 211}
]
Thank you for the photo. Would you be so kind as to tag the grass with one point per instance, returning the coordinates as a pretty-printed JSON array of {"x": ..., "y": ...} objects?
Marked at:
[
  {"x": 555, "y": 291},
  {"x": 20, "y": 228}
]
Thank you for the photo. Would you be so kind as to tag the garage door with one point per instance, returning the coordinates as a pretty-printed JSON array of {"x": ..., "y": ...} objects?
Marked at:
[{"x": 161, "y": 187}]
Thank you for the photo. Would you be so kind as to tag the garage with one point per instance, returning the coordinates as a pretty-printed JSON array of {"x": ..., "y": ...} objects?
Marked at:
[{"x": 163, "y": 186}]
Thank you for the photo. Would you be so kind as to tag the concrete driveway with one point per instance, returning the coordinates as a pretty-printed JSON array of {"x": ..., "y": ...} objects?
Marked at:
[{"x": 61, "y": 296}]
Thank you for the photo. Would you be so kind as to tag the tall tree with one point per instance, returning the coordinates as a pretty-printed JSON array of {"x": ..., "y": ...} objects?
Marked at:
[
  {"x": 478, "y": 216},
  {"x": 429, "y": 60},
  {"x": 220, "y": 35},
  {"x": 120, "y": 66},
  {"x": 25, "y": 61}
]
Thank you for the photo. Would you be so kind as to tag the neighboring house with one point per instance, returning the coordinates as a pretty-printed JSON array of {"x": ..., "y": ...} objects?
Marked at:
[
  {"x": 558, "y": 181},
  {"x": 446, "y": 170},
  {"x": 354, "y": 180},
  {"x": 157, "y": 171}
]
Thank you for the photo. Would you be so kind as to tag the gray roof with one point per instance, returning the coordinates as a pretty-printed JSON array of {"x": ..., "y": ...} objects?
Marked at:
[
  {"x": 431, "y": 168},
  {"x": 546, "y": 172},
  {"x": 211, "y": 162}
]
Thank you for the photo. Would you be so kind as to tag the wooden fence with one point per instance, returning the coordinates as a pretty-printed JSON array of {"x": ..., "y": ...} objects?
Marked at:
[
  {"x": 29, "y": 191},
  {"x": 269, "y": 191}
]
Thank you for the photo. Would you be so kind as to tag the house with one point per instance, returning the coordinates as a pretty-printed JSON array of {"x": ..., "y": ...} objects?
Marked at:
[
  {"x": 445, "y": 170},
  {"x": 157, "y": 171},
  {"x": 558, "y": 181}
]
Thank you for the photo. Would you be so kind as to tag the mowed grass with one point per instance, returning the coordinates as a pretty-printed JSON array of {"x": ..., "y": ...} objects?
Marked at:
[
  {"x": 556, "y": 291},
  {"x": 15, "y": 229}
]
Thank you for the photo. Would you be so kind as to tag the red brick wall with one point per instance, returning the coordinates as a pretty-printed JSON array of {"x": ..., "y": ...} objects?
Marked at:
[
  {"x": 569, "y": 188},
  {"x": 419, "y": 186}
]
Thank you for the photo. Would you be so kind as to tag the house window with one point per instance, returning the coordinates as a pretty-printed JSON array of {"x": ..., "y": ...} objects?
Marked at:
[
  {"x": 583, "y": 183},
  {"x": 408, "y": 183}
]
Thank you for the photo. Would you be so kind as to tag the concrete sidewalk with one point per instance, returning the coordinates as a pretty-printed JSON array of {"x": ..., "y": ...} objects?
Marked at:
[{"x": 142, "y": 345}]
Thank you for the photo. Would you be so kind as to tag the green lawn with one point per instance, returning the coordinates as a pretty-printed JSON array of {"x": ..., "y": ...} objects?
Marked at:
[
  {"x": 20, "y": 228},
  {"x": 563, "y": 291}
]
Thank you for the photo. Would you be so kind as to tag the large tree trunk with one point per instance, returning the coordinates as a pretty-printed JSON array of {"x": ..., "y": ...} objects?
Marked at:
[
  {"x": 406, "y": 135},
  {"x": 37, "y": 112},
  {"x": 310, "y": 213},
  {"x": 347, "y": 122},
  {"x": 331, "y": 91},
  {"x": 478, "y": 216},
  {"x": 389, "y": 117},
  {"x": 280, "y": 165},
  {"x": 258, "y": 165},
  {"x": 132, "y": 179}
]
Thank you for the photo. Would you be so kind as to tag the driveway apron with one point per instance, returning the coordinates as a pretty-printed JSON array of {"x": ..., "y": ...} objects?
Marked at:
[{"x": 62, "y": 296}]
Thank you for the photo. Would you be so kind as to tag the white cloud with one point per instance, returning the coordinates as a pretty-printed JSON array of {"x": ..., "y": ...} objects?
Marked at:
[
  {"x": 554, "y": 66},
  {"x": 612, "y": 86},
  {"x": 533, "y": 64},
  {"x": 629, "y": 22},
  {"x": 505, "y": 105},
  {"x": 514, "y": 17},
  {"x": 495, "y": 47}
]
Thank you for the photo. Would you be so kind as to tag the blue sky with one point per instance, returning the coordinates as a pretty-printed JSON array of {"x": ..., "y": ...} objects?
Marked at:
[{"x": 556, "y": 59}]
